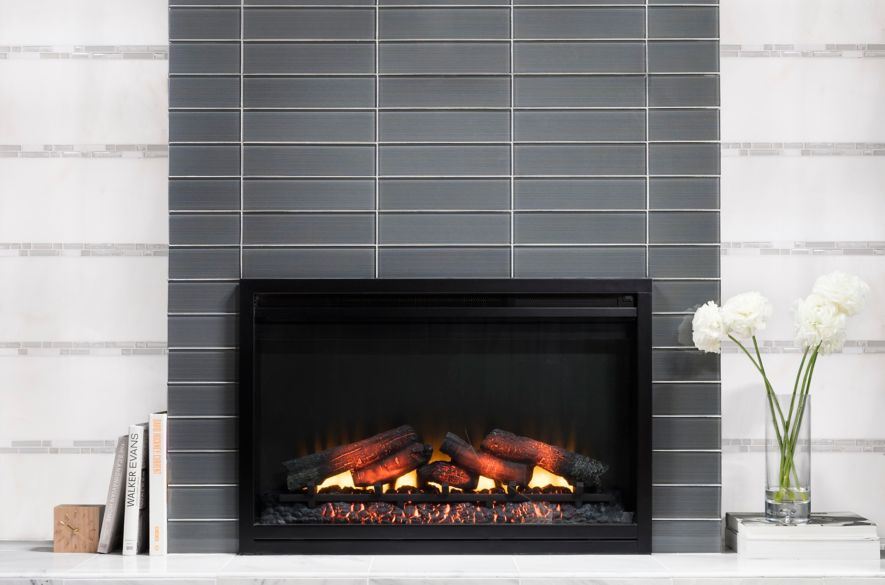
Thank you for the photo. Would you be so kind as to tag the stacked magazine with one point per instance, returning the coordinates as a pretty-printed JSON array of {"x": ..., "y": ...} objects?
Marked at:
[
  {"x": 135, "y": 513},
  {"x": 833, "y": 535}
]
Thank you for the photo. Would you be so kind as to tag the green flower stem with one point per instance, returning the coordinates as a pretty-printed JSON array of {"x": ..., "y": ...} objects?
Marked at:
[{"x": 772, "y": 399}]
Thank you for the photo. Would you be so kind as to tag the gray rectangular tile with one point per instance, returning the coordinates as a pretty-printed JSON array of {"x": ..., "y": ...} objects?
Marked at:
[
  {"x": 204, "y": 126},
  {"x": 309, "y": 58},
  {"x": 685, "y": 433},
  {"x": 448, "y": 92},
  {"x": 678, "y": 365},
  {"x": 671, "y": 330},
  {"x": 684, "y": 193},
  {"x": 201, "y": 400},
  {"x": 201, "y": 366},
  {"x": 308, "y": 194},
  {"x": 202, "y": 297},
  {"x": 204, "y": 57},
  {"x": 187, "y": 160},
  {"x": 683, "y": 56},
  {"x": 444, "y": 160},
  {"x": 683, "y": 227},
  {"x": 684, "y": 296},
  {"x": 204, "y": 92},
  {"x": 204, "y": 23},
  {"x": 685, "y": 502},
  {"x": 309, "y": 263},
  {"x": 579, "y": 23},
  {"x": 627, "y": 193},
  {"x": 444, "y": 58},
  {"x": 445, "y": 194},
  {"x": 457, "y": 126},
  {"x": 204, "y": 263},
  {"x": 683, "y": 90},
  {"x": 579, "y": 262},
  {"x": 579, "y": 228},
  {"x": 444, "y": 263},
  {"x": 193, "y": 503},
  {"x": 445, "y": 2},
  {"x": 580, "y": 91},
  {"x": 683, "y": 125},
  {"x": 449, "y": 228},
  {"x": 444, "y": 23},
  {"x": 295, "y": 161},
  {"x": 686, "y": 399},
  {"x": 674, "y": 536},
  {"x": 579, "y": 57},
  {"x": 309, "y": 3},
  {"x": 581, "y": 2},
  {"x": 202, "y": 331},
  {"x": 309, "y": 126},
  {"x": 681, "y": 22},
  {"x": 311, "y": 228},
  {"x": 204, "y": 537},
  {"x": 684, "y": 262},
  {"x": 202, "y": 468},
  {"x": 309, "y": 92},
  {"x": 683, "y": 159},
  {"x": 686, "y": 468},
  {"x": 594, "y": 159},
  {"x": 204, "y": 229},
  {"x": 309, "y": 23},
  {"x": 204, "y": 194},
  {"x": 187, "y": 434},
  {"x": 590, "y": 125},
  {"x": 683, "y": 2},
  {"x": 204, "y": 2}
]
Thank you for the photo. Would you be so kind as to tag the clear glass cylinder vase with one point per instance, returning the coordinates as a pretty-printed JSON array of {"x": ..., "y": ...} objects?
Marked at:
[{"x": 788, "y": 459}]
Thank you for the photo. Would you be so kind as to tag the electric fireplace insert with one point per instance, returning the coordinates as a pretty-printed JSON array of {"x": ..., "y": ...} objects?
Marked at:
[{"x": 445, "y": 416}]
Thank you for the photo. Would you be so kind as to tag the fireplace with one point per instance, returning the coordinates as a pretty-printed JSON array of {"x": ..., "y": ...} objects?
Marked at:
[{"x": 457, "y": 416}]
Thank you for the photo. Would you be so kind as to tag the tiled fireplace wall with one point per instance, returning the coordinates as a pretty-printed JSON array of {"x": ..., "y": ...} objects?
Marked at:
[{"x": 424, "y": 140}]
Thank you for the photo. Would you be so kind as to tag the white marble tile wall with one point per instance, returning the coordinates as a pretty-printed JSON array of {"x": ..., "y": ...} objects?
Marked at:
[
  {"x": 803, "y": 176},
  {"x": 83, "y": 245}
]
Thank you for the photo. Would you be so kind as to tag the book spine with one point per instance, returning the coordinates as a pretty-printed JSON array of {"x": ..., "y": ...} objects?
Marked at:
[
  {"x": 112, "y": 522},
  {"x": 132, "y": 502},
  {"x": 157, "y": 511}
]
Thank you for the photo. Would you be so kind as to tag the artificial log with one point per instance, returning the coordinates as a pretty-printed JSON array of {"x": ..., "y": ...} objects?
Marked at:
[
  {"x": 392, "y": 467},
  {"x": 446, "y": 473},
  {"x": 314, "y": 468},
  {"x": 482, "y": 463},
  {"x": 572, "y": 466}
]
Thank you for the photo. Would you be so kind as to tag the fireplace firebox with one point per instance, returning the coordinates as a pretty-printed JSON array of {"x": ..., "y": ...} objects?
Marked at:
[{"x": 449, "y": 416}]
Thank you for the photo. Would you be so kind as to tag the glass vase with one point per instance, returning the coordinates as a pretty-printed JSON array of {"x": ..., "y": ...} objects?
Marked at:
[{"x": 788, "y": 459}]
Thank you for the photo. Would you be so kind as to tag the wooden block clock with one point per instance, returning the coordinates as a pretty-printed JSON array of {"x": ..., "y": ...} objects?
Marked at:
[{"x": 76, "y": 528}]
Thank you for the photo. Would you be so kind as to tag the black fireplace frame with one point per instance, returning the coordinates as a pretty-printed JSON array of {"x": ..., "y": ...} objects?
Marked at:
[{"x": 614, "y": 298}]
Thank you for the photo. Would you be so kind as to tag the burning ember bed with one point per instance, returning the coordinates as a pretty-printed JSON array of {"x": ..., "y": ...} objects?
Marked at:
[{"x": 395, "y": 478}]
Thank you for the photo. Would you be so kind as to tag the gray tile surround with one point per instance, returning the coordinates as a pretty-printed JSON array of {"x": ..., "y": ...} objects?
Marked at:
[{"x": 576, "y": 148}]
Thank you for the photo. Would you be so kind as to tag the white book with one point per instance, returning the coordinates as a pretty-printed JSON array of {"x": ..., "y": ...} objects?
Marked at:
[
  {"x": 111, "y": 532},
  {"x": 134, "y": 502},
  {"x": 862, "y": 549},
  {"x": 821, "y": 526},
  {"x": 157, "y": 474}
]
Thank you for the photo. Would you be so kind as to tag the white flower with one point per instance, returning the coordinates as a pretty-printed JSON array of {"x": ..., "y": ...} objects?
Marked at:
[
  {"x": 745, "y": 314},
  {"x": 846, "y": 291},
  {"x": 819, "y": 321},
  {"x": 707, "y": 328}
]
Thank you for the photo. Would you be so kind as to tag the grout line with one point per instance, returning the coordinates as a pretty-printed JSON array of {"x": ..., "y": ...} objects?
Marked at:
[
  {"x": 242, "y": 128},
  {"x": 512, "y": 149},
  {"x": 647, "y": 155},
  {"x": 377, "y": 136}
]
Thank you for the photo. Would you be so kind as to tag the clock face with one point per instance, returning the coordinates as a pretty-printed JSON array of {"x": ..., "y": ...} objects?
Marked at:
[{"x": 76, "y": 528}]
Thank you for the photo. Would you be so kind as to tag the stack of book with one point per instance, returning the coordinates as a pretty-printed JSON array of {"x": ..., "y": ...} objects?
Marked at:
[
  {"x": 832, "y": 535},
  {"x": 135, "y": 513}
]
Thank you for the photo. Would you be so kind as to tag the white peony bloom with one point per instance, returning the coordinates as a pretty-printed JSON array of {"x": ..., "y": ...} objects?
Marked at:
[
  {"x": 819, "y": 321},
  {"x": 846, "y": 291},
  {"x": 707, "y": 328},
  {"x": 745, "y": 314}
]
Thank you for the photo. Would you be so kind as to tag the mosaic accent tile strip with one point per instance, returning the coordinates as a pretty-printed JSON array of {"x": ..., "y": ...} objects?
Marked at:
[
  {"x": 57, "y": 447},
  {"x": 74, "y": 249},
  {"x": 803, "y": 149},
  {"x": 817, "y": 445},
  {"x": 799, "y": 248},
  {"x": 852, "y": 346},
  {"x": 82, "y": 348},
  {"x": 84, "y": 151},
  {"x": 843, "y": 50},
  {"x": 127, "y": 52}
]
